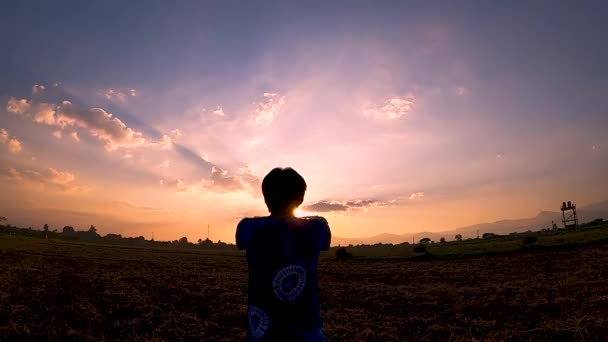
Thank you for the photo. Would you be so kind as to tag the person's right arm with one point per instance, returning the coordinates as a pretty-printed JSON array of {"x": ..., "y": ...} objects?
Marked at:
[{"x": 244, "y": 233}]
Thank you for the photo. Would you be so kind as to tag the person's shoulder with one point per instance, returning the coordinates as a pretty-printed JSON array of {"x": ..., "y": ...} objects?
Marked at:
[
  {"x": 249, "y": 222},
  {"x": 319, "y": 227},
  {"x": 316, "y": 220},
  {"x": 246, "y": 230}
]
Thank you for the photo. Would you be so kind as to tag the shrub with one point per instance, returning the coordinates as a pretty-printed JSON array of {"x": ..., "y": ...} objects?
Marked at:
[
  {"x": 530, "y": 241},
  {"x": 342, "y": 254},
  {"x": 420, "y": 249}
]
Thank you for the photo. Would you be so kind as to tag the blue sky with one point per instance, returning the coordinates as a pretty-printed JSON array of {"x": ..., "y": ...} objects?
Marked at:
[{"x": 413, "y": 109}]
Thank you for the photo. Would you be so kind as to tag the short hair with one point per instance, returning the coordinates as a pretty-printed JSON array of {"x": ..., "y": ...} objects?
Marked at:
[{"x": 282, "y": 188}]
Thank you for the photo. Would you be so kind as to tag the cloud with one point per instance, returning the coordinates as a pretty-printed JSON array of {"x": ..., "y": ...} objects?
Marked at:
[
  {"x": 101, "y": 124},
  {"x": 325, "y": 206},
  {"x": 461, "y": 91},
  {"x": 38, "y": 89},
  {"x": 18, "y": 106},
  {"x": 219, "y": 111},
  {"x": 166, "y": 142},
  {"x": 14, "y": 146},
  {"x": 49, "y": 178},
  {"x": 166, "y": 163},
  {"x": 393, "y": 108},
  {"x": 417, "y": 195},
  {"x": 176, "y": 132},
  {"x": 176, "y": 184},
  {"x": 116, "y": 95},
  {"x": 345, "y": 206},
  {"x": 12, "y": 143},
  {"x": 44, "y": 113},
  {"x": 4, "y": 135},
  {"x": 219, "y": 181},
  {"x": 268, "y": 109},
  {"x": 57, "y": 134},
  {"x": 75, "y": 136},
  {"x": 223, "y": 181}
]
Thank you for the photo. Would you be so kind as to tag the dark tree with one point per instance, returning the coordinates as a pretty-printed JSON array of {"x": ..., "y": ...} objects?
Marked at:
[
  {"x": 68, "y": 230},
  {"x": 425, "y": 241},
  {"x": 458, "y": 237},
  {"x": 92, "y": 229},
  {"x": 488, "y": 235},
  {"x": 46, "y": 228},
  {"x": 183, "y": 240},
  {"x": 442, "y": 240}
]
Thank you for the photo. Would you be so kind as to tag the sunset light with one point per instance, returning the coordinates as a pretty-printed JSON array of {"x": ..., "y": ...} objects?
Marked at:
[
  {"x": 429, "y": 124},
  {"x": 446, "y": 163}
]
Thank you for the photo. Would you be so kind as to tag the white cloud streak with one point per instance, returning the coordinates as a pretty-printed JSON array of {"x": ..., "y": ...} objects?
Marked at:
[
  {"x": 49, "y": 178},
  {"x": 116, "y": 95},
  {"x": 268, "y": 109},
  {"x": 393, "y": 108},
  {"x": 219, "y": 181},
  {"x": 417, "y": 195},
  {"x": 219, "y": 111},
  {"x": 110, "y": 129}
]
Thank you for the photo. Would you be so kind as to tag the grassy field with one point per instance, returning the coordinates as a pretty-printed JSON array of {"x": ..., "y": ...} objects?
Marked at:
[
  {"x": 94, "y": 292},
  {"x": 471, "y": 247}
]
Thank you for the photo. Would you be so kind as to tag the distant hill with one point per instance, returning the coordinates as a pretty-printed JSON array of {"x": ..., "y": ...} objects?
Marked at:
[{"x": 542, "y": 220}]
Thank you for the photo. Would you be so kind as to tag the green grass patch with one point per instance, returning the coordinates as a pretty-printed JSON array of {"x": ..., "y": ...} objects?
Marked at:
[
  {"x": 501, "y": 244},
  {"x": 15, "y": 242}
]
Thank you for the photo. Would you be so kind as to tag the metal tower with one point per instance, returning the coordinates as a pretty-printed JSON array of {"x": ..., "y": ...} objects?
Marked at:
[{"x": 569, "y": 215}]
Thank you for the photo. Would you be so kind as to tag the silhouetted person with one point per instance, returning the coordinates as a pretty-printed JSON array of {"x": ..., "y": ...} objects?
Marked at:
[{"x": 282, "y": 255}]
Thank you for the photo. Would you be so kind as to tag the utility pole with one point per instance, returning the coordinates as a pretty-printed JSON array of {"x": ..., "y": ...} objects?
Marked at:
[{"x": 208, "y": 225}]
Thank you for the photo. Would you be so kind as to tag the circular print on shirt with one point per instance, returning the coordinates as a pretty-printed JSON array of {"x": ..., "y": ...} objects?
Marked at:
[
  {"x": 289, "y": 282},
  {"x": 258, "y": 321}
]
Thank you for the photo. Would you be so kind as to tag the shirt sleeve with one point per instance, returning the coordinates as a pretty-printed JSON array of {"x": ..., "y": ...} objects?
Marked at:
[
  {"x": 244, "y": 233},
  {"x": 322, "y": 233}
]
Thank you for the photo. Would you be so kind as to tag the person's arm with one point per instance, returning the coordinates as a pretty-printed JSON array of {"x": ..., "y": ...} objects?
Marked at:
[
  {"x": 244, "y": 233},
  {"x": 322, "y": 233}
]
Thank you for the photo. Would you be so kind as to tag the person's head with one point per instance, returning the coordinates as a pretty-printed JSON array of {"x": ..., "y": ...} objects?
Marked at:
[{"x": 283, "y": 190}]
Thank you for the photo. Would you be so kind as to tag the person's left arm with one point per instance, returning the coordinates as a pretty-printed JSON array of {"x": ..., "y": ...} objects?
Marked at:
[{"x": 321, "y": 232}]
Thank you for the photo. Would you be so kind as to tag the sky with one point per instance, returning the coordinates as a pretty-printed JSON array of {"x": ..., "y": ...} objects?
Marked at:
[{"x": 159, "y": 118}]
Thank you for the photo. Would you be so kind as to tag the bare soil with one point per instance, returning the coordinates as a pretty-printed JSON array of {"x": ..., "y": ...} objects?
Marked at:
[{"x": 113, "y": 293}]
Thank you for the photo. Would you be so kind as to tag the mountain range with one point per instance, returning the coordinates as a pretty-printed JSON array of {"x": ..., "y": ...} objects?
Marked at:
[{"x": 544, "y": 219}]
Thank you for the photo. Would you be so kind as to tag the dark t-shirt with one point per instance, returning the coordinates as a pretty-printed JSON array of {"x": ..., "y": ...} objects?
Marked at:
[{"x": 282, "y": 255}]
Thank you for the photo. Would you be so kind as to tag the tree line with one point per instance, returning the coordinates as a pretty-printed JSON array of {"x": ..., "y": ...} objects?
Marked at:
[{"x": 91, "y": 235}]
